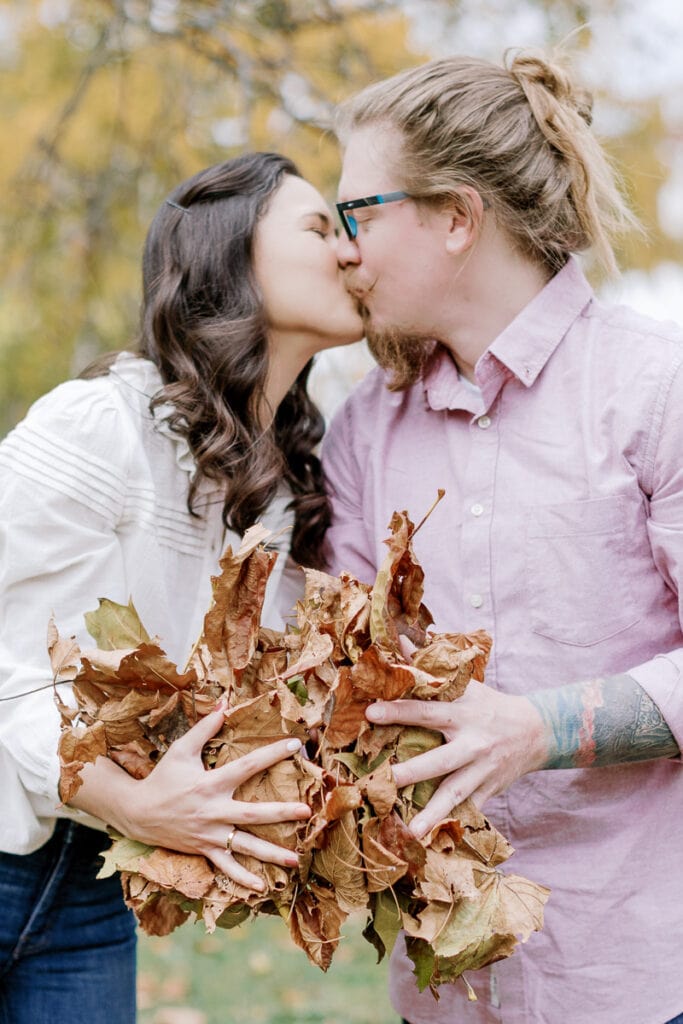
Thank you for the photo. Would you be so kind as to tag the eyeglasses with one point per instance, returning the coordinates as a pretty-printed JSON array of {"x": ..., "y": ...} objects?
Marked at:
[{"x": 349, "y": 221}]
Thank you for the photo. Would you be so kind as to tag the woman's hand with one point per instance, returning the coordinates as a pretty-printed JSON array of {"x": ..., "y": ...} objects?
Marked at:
[
  {"x": 491, "y": 739},
  {"x": 184, "y": 807}
]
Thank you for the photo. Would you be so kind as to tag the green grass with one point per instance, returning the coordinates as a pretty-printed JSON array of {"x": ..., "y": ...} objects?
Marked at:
[{"x": 255, "y": 975}]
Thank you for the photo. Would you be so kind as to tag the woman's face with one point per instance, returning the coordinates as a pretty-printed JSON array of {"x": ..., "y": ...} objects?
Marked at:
[{"x": 295, "y": 262}]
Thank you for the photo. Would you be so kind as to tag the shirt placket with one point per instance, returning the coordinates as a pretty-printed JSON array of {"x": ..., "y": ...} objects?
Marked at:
[
  {"x": 477, "y": 581},
  {"x": 477, "y": 514}
]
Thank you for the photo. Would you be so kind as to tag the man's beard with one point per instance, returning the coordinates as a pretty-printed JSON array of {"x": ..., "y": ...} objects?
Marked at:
[{"x": 405, "y": 355}]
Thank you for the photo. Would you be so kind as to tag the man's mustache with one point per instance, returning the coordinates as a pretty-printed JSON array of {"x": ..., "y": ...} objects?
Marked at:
[{"x": 357, "y": 295}]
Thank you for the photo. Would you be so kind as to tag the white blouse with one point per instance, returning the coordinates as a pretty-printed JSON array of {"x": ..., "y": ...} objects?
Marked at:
[{"x": 93, "y": 503}]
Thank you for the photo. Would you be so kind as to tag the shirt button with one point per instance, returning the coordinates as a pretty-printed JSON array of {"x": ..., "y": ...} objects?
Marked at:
[
  {"x": 476, "y": 600},
  {"x": 477, "y": 509},
  {"x": 484, "y": 422}
]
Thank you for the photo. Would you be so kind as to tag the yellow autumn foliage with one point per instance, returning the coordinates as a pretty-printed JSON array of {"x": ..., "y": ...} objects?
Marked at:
[{"x": 107, "y": 105}]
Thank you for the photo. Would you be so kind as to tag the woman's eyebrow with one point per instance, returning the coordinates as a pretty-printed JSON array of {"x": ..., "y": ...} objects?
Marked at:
[{"x": 323, "y": 217}]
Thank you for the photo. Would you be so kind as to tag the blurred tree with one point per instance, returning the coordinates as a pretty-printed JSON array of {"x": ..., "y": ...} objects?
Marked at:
[{"x": 106, "y": 104}]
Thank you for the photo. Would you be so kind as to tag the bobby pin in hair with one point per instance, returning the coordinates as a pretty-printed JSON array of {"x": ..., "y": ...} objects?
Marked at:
[{"x": 183, "y": 209}]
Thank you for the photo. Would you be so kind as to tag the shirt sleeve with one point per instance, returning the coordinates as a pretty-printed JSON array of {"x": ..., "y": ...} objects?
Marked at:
[
  {"x": 662, "y": 677},
  {"x": 62, "y": 486},
  {"x": 349, "y": 545}
]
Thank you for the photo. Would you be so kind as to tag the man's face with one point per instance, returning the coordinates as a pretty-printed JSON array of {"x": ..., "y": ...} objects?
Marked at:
[{"x": 397, "y": 265}]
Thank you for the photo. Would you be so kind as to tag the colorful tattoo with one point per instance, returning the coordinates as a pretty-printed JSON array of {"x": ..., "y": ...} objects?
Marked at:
[{"x": 602, "y": 722}]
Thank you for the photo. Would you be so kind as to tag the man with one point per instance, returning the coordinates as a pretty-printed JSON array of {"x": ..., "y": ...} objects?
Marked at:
[{"x": 555, "y": 426}]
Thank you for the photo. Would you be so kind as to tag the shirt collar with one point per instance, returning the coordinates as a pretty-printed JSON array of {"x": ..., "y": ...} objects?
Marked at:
[
  {"x": 521, "y": 350},
  {"x": 526, "y": 344},
  {"x": 443, "y": 387}
]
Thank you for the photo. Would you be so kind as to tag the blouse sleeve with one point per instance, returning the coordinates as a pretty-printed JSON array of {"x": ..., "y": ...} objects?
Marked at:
[{"x": 62, "y": 490}]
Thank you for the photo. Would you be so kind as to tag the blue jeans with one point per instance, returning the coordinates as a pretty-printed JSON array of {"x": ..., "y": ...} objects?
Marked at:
[{"x": 67, "y": 940}]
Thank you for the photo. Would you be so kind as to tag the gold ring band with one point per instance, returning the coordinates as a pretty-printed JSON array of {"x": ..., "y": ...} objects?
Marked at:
[{"x": 229, "y": 840}]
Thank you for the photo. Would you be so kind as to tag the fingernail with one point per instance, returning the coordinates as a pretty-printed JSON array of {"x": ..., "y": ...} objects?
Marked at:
[
  {"x": 292, "y": 861},
  {"x": 221, "y": 705},
  {"x": 375, "y": 713},
  {"x": 259, "y": 886},
  {"x": 294, "y": 745}
]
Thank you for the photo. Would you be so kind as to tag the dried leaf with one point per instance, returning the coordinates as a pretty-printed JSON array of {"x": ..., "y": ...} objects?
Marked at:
[
  {"x": 231, "y": 626},
  {"x": 159, "y": 915},
  {"x": 340, "y": 864},
  {"x": 134, "y": 757},
  {"x": 451, "y": 660},
  {"x": 347, "y": 719},
  {"x": 478, "y": 931},
  {"x": 65, "y": 655},
  {"x": 145, "y": 667},
  {"x": 356, "y": 850},
  {"x": 396, "y": 604},
  {"x": 315, "y": 921},
  {"x": 380, "y": 790},
  {"x": 384, "y": 867},
  {"x": 185, "y": 873}
]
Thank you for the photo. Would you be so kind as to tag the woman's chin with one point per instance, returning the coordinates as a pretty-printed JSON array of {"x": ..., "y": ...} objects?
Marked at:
[{"x": 343, "y": 337}]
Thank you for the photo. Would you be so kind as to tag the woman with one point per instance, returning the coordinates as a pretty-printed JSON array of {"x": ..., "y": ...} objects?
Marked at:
[{"x": 130, "y": 483}]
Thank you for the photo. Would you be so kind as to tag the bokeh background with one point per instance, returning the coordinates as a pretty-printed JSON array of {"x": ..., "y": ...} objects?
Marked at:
[{"x": 107, "y": 104}]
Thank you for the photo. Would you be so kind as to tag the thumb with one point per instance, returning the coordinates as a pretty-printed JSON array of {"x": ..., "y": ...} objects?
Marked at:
[{"x": 205, "y": 729}]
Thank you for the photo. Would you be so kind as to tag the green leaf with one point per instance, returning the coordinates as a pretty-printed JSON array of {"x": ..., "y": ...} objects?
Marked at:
[
  {"x": 424, "y": 791},
  {"x": 115, "y": 626},
  {"x": 360, "y": 766},
  {"x": 298, "y": 687},
  {"x": 387, "y": 919},
  {"x": 424, "y": 961},
  {"x": 233, "y": 916},
  {"x": 120, "y": 855},
  {"x": 415, "y": 740},
  {"x": 371, "y": 936}
]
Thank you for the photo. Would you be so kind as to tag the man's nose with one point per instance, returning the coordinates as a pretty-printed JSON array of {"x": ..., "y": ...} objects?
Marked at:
[{"x": 347, "y": 250}]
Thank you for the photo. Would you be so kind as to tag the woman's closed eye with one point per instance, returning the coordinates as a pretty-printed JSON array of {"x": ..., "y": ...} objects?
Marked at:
[{"x": 320, "y": 224}]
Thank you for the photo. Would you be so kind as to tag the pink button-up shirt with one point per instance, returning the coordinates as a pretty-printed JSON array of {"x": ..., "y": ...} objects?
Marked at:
[{"x": 561, "y": 533}]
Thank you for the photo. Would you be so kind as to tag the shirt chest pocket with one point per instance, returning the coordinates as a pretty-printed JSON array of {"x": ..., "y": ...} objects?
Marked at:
[{"x": 578, "y": 570}]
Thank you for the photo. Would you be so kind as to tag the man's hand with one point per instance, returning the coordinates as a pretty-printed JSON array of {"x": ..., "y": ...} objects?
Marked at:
[{"x": 491, "y": 739}]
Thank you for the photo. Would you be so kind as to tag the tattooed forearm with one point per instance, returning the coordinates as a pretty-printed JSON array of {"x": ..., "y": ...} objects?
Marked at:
[{"x": 602, "y": 722}]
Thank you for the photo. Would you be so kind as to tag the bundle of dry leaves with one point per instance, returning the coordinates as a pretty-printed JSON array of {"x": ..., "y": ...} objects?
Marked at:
[{"x": 458, "y": 911}]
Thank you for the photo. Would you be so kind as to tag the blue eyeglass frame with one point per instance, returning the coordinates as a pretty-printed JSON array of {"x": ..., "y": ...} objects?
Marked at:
[{"x": 349, "y": 221}]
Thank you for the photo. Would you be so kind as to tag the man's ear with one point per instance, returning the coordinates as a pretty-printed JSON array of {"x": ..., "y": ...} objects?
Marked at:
[{"x": 465, "y": 210}]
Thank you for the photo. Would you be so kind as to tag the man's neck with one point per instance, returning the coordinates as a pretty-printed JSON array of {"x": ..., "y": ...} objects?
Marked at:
[{"x": 493, "y": 294}]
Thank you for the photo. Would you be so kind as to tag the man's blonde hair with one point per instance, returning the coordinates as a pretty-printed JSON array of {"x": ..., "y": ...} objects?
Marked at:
[{"x": 519, "y": 134}]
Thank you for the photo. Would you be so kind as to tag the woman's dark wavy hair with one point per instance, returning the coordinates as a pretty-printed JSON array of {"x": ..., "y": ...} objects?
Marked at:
[{"x": 203, "y": 323}]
